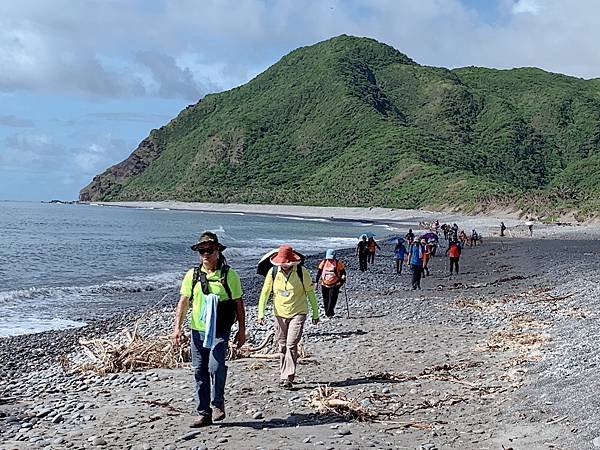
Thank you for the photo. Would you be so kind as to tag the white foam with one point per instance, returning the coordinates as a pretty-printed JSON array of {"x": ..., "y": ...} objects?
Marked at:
[{"x": 28, "y": 325}]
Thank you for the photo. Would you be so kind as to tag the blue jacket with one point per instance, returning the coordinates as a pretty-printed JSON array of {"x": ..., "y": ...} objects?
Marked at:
[{"x": 416, "y": 254}]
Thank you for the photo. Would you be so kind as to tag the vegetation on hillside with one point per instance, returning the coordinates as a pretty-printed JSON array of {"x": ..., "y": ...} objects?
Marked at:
[{"x": 354, "y": 122}]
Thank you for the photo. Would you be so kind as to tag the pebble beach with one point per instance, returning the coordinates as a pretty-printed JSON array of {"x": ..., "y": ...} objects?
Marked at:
[{"x": 501, "y": 356}]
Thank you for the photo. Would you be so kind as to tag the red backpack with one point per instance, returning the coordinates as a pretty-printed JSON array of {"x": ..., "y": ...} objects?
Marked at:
[{"x": 329, "y": 276}]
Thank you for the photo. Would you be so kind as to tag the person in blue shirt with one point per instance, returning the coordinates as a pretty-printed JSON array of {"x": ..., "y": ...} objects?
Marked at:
[
  {"x": 415, "y": 260},
  {"x": 400, "y": 255}
]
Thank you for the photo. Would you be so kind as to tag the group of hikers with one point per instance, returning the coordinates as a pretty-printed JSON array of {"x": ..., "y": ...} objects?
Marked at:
[{"x": 213, "y": 291}]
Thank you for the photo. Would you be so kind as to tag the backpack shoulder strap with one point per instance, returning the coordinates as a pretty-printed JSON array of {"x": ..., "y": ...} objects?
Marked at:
[
  {"x": 224, "y": 273},
  {"x": 194, "y": 281}
]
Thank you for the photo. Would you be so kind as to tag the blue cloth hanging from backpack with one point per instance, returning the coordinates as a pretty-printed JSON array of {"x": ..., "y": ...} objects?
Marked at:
[{"x": 208, "y": 315}]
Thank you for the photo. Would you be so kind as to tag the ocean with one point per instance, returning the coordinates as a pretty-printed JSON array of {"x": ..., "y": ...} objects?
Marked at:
[{"x": 63, "y": 265}]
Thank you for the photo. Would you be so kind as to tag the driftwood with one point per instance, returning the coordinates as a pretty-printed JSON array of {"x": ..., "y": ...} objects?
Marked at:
[
  {"x": 327, "y": 400},
  {"x": 268, "y": 344}
]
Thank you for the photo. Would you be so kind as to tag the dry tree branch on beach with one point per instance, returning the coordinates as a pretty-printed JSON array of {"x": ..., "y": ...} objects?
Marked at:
[
  {"x": 328, "y": 400},
  {"x": 268, "y": 343}
]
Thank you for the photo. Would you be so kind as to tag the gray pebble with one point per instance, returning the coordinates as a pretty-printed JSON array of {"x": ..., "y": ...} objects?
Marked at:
[
  {"x": 258, "y": 415},
  {"x": 190, "y": 435},
  {"x": 98, "y": 441}
]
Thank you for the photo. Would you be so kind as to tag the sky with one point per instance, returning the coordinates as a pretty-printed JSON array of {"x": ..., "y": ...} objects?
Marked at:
[{"x": 82, "y": 82}]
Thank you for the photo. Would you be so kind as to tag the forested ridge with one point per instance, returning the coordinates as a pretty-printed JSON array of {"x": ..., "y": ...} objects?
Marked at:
[{"x": 354, "y": 122}]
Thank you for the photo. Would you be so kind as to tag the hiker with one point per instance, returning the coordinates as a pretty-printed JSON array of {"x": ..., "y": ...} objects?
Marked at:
[
  {"x": 462, "y": 237},
  {"x": 529, "y": 224},
  {"x": 331, "y": 274},
  {"x": 415, "y": 260},
  {"x": 410, "y": 236},
  {"x": 445, "y": 229},
  {"x": 290, "y": 286},
  {"x": 400, "y": 255},
  {"x": 426, "y": 256},
  {"x": 454, "y": 232},
  {"x": 474, "y": 238},
  {"x": 372, "y": 245},
  {"x": 215, "y": 293},
  {"x": 453, "y": 252},
  {"x": 362, "y": 251},
  {"x": 502, "y": 229}
]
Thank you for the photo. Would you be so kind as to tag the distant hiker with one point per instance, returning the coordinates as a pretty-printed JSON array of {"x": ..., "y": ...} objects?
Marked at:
[
  {"x": 415, "y": 260},
  {"x": 290, "y": 286},
  {"x": 331, "y": 274},
  {"x": 362, "y": 251},
  {"x": 474, "y": 238},
  {"x": 445, "y": 229},
  {"x": 453, "y": 252},
  {"x": 410, "y": 236},
  {"x": 462, "y": 237},
  {"x": 400, "y": 255},
  {"x": 426, "y": 256},
  {"x": 454, "y": 232},
  {"x": 215, "y": 292},
  {"x": 372, "y": 245},
  {"x": 529, "y": 224},
  {"x": 436, "y": 226},
  {"x": 502, "y": 229}
]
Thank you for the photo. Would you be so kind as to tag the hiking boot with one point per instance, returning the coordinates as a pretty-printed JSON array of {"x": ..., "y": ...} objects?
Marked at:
[
  {"x": 201, "y": 421},
  {"x": 286, "y": 384},
  {"x": 218, "y": 413}
]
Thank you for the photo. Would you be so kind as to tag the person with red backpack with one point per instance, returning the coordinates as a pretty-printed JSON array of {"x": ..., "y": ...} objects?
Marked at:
[
  {"x": 453, "y": 253},
  {"x": 331, "y": 274}
]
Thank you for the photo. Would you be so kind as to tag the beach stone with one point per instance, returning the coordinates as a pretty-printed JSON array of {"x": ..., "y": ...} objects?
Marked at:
[
  {"x": 170, "y": 447},
  {"x": 222, "y": 440},
  {"x": 428, "y": 446},
  {"x": 190, "y": 435},
  {"x": 57, "y": 419},
  {"x": 43, "y": 412},
  {"x": 258, "y": 415},
  {"x": 385, "y": 390},
  {"x": 596, "y": 442},
  {"x": 98, "y": 441},
  {"x": 344, "y": 432},
  {"x": 58, "y": 440}
]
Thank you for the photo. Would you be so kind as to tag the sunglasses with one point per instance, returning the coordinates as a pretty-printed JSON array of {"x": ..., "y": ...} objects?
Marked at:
[{"x": 206, "y": 251}]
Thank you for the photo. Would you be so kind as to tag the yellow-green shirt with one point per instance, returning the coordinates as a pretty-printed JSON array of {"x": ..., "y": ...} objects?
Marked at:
[
  {"x": 214, "y": 287},
  {"x": 295, "y": 302}
]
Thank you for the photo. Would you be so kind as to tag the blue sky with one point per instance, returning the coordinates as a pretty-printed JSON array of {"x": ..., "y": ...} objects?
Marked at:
[{"x": 83, "y": 82}]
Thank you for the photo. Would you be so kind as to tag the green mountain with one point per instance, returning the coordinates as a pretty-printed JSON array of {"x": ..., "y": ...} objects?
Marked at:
[{"x": 354, "y": 122}]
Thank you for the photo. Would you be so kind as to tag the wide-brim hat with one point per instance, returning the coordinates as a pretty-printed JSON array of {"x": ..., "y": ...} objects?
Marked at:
[
  {"x": 207, "y": 238},
  {"x": 285, "y": 255}
]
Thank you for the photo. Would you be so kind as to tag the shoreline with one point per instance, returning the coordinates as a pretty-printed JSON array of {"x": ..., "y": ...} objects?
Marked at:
[{"x": 488, "y": 225}]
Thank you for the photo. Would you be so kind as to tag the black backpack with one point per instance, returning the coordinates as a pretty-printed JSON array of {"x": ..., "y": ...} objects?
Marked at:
[{"x": 226, "y": 309}]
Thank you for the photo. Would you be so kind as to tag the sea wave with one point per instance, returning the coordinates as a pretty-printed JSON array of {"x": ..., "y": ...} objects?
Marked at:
[
  {"x": 29, "y": 325},
  {"x": 122, "y": 286}
]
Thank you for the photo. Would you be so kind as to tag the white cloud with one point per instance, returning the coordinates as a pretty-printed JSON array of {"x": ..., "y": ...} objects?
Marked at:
[
  {"x": 526, "y": 7},
  {"x": 185, "y": 48}
]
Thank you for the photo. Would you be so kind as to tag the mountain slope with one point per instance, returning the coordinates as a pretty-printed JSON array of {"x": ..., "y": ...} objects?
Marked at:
[{"x": 351, "y": 121}]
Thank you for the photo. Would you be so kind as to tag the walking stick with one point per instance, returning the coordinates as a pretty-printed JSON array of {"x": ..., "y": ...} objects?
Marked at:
[{"x": 347, "y": 307}]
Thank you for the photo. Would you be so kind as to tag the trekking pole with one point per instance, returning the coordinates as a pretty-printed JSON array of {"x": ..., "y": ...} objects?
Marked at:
[{"x": 346, "y": 295}]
